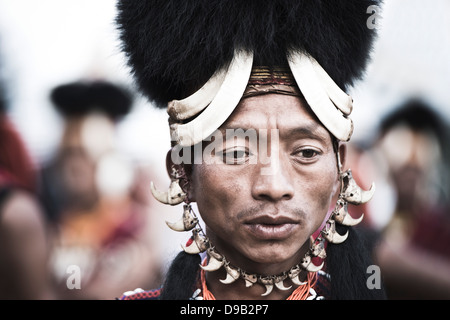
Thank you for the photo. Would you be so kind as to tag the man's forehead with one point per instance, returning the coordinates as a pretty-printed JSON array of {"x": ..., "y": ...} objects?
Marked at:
[{"x": 289, "y": 114}]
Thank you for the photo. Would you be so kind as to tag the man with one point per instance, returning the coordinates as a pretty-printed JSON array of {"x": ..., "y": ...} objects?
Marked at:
[{"x": 254, "y": 91}]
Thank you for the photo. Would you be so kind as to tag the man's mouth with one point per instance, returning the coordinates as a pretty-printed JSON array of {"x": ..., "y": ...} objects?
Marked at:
[{"x": 268, "y": 227}]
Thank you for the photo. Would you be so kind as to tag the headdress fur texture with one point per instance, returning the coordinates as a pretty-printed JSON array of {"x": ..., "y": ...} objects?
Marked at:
[{"x": 174, "y": 47}]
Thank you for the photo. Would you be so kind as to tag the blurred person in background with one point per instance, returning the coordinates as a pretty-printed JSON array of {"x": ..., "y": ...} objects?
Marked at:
[
  {"x": 23, "y": 240},
  {"x": 412, "y": 153},
  {"x": 94, "y": 198}
]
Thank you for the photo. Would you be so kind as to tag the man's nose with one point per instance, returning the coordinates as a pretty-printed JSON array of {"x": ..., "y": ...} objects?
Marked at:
[{"x": 272, "y": 182}]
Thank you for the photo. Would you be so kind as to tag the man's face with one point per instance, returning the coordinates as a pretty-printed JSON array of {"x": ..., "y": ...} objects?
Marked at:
[{"x": 258, "y": 211}]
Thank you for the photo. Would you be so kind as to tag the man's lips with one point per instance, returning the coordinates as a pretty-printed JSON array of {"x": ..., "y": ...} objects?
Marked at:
[{"x": 268, "y": 227}]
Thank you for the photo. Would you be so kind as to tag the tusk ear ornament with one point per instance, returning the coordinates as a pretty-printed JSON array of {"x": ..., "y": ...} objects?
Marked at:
[
  {"x": 318, "y": 249},
  {"x": 186, "y": 223},
  {"x": 197, "y": 245},
  {"x": 332, "y": 235},
  {"x": 353, "y": 193},
  {"x": 308, "y": 265},
  {"x": 342, "y": 216},
  {"x": 175, "y": 195},
  {"x": 313, "y": 268}
]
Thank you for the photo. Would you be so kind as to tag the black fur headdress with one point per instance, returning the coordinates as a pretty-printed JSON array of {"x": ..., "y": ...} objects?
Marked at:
[
  {"x": 175, "y": 46},
  {"x": 79, "y": 98}
]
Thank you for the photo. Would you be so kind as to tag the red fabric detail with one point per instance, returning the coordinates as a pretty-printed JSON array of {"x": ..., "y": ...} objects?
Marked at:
[{"x": 145, "y": 295}]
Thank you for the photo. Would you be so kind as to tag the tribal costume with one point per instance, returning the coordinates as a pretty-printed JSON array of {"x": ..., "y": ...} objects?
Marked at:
[{"x": 200, "y": 60}]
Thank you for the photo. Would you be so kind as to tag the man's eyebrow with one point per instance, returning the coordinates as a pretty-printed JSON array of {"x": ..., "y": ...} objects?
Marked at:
[{"x": 311, "y": 131}]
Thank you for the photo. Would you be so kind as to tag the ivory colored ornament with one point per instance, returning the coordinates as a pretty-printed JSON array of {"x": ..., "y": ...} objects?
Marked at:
[
  {"x": 332, "y": 235},
  {"x": 175, "y": 195},
  {"x": 294, "y": 275},
  {"x": 353, "y": 193},
  {"x": 250, "y": 279},
  {"x": 279, "y": 282},
  {"x": 215, "y": 262},
  {"x": 342, "y": 216},
  {"x": 232, "y": 274},
  {"x": 318, "y": 248},
  {"x": 328, "y": 102},
  {"x": 268, "y": 283},
  {"x": 198, "y": 244},
  {"x": 186, "y": 223},
  {"x": 214, "y": 102},
  {"x": 221, "y": 97},
  {"x": 308, "y": 265}
]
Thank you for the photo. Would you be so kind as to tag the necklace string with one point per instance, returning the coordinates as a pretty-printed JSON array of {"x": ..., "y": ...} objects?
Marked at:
[{"x": 300, "y": 293}]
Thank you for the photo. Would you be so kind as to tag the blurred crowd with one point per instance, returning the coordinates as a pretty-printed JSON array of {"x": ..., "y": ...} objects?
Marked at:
[
  {"x": 78, "y": 226},
  {"x": 408, "y": 220}
]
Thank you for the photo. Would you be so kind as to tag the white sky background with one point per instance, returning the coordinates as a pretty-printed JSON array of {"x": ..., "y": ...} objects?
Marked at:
[
  {"x": 49, "y": 42},
  {"x": 45, "y": 43},
  {"x": 411, "y": 58}
]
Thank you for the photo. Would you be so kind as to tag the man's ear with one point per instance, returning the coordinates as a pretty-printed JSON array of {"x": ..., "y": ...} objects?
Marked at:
[
  {"x": 185, "y": 180},
  {"x": 341, "y": 155},
  {"x": 342, "y": 152}
]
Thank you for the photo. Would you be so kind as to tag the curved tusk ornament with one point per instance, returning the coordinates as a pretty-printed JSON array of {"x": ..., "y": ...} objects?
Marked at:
[
  {"x": 353, "y": 193},
  {"x": 199, "y": 243},
  {"x": 225, "y": 100},
  {"x": 349, "y": 221},
  {"x": 318, "y": 249},
  {"x": 308, "y": 265},
  {"x": 279, "y": 283},
  {"x": 305, "y": 71},
  {"x": 215, "y": 262},
  {"x": 232, "y": 274},
  {"x": 186, "y": 223},
  {"x": 332, "y": 235},
  {"x": 197, "y": 102},
  {"x": 268, "y": 283},
  {"x": 294, "y": 275},
  {"x": 313, "y": 268},
  {"x": 296, "y": 280},
  {"x": 175, "y": 195},
  {"x": 342, "y": 216}
]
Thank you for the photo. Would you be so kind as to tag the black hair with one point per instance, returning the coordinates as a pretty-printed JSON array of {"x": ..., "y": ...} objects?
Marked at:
[
  {"x": 182, "y": 277},
  {"x": 348, "y": 264}
]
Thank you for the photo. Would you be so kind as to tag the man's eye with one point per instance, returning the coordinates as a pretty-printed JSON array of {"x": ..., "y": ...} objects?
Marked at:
[
  {"x": 236, "y": 156},
  {"x": 308, "y": 153}
]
